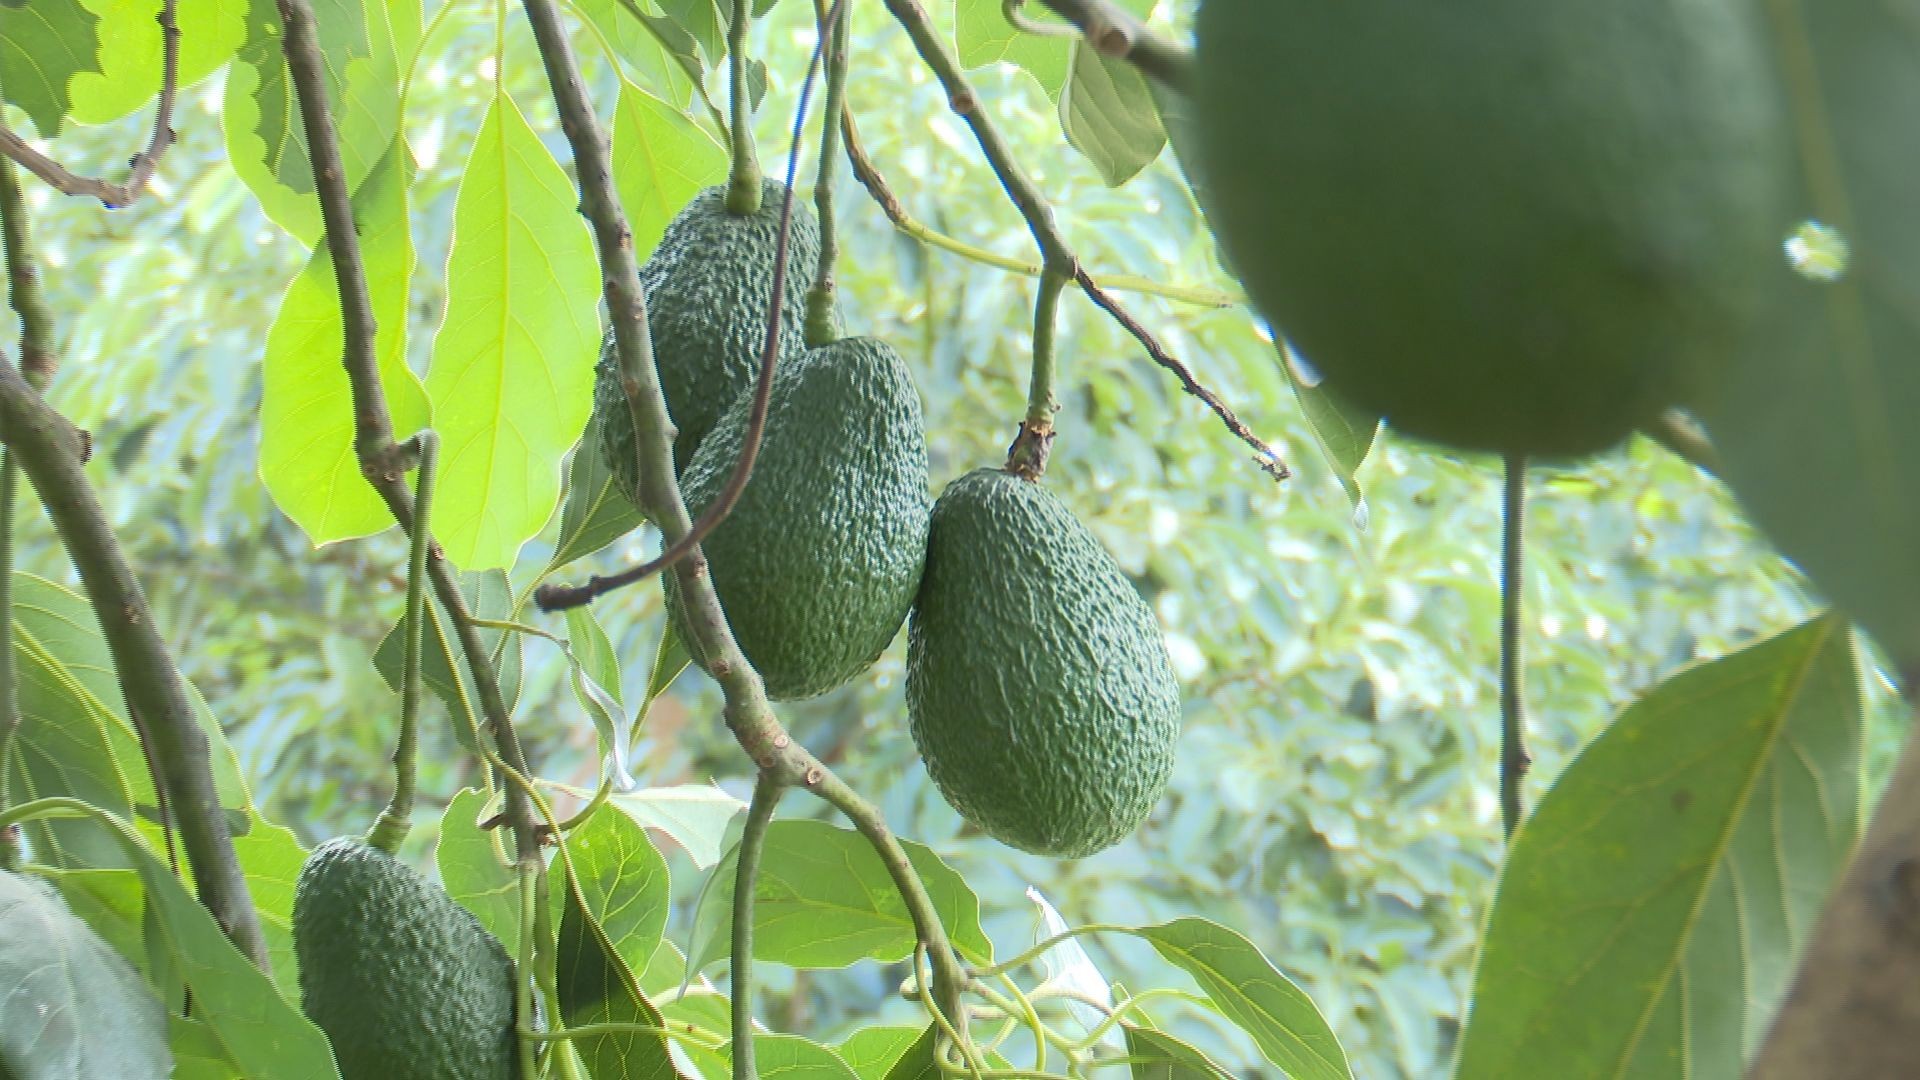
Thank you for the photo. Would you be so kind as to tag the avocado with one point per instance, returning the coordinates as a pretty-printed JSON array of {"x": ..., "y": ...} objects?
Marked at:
[
  {"x": 1038, "y": 685},
  {"x": 818, "y": 562},
  {"x": 709, "y": 286},
  {"x": 1509, "y": 226},
  {"x": 405, "y": 982}
]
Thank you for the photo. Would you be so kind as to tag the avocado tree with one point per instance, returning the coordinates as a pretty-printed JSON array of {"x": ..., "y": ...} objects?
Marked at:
[{"x": 642, "y": 355}]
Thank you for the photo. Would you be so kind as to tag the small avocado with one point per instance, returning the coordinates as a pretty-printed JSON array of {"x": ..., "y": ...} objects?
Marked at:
[
  {"x": 709, "y": 286},
  {"x": 1513, "y": 226},
  {"x": 1039, "y": 690},
  {"x": 405, "y": 982},
  {"x": 818, "y": 562}
]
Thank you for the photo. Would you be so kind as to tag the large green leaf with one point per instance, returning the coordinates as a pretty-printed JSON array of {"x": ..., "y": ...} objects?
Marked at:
[
  {"x": 73, "y": 740},
  {"x": 307, "y": 459},
  {"x": 595, "y": 513},
  {"x": 790, "y": 1057},
  {"x": 197, "y": 1053},
  {"x": 271, "y": 857},
  {"x": 1246, "y": 988},
  {"x": 129, "y": 74},
  {"x": 474, "y": 868},
  {"x": 70, "y": 1007},
  {"x": 266, "y": 139},
  {"x": 623, "y": 882},
  {"x": 824, "y": 900},
  {"x": 651, "y": 49},
  {"x": 1651, "y": 909},
  {"x": 871, "y": 1052},
  {"x": 983, "y": 36},
  {"x": 597, "y": 987},
  {"x": 705, "y": 20},
  {"x": 661, "y": 160},
  {"x": 512, "y": 374},
  {"x": 1108, "y": 113},
  {"x": 43, "y": 45},
  {"x": 917, "y": 1061},
  {"x": 1814, "y": 423},
  {"x": 443, "y": 666}
]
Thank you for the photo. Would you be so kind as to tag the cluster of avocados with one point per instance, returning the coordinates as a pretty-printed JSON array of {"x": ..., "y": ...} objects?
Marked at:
[
  {"x": 1527, "y": 228},
  {"x": 1038, "y": 685},
  {"x": 1039, "y": 688}
]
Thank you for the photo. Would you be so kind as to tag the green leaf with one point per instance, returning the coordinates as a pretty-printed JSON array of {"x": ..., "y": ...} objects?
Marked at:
[
  {"x": 824, "y": 900},
  {"x": 623, "y": 882},
  {"x": 709, "y": 1014},
  {"x": 871, "y": 1052},
  {"x": 597, "y": 987},
  {"x": 1345, "y": 433},
  {"x": 696, "y": 816},
  {"x": 1814, "y": 421},
  {"x": 443, "y": 667},
  {"x": 307, "y": 457},
  {"x": 73, "y": 740},
  {"x": 1159, "y": 1056},
  {"x": 666, "y": 971},
  {"x": 983, "y": 36},
  {"x": 1247, "y": 989},
  {"x": 661, "y": 160},
  {"x": 69, "y": 1005},
  {"x": 512, "y": 374},
  {"x": 705, "y": 21},
  {"x": 129, "y": 75},
  {"x": 109, "y": 901},
  {"x": 917, "y": 1062},
  {"x": 669, "y": 661},
  {"x": 790, "y": 1057},
  {"x": 43, "y": 45},
  {"x": 651, "y": 49},
  {"x": 266, "y": 140},
  {"x": 595, "y": 671},
  {"x": 1650, "y": 911},
  {"x": 271, "y": 857},
  {"x": 197, "y": 1053},
  {"x": 475, "y": 870},
  {"x": 595, "y": 513},
  {"x": 1108, "y": 113}
]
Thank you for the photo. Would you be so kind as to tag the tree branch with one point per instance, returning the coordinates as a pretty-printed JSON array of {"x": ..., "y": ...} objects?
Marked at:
[
  {"x": 753, "y": 842},
  {"x": 1855, "y": 1002},
  {"x": 48, "y": 449},
  {"x": 1514, "y": 759},
  {"x": 1117, "y": 34},
  {"x": 1034, "y": 209},
  {"x": 749, "y": 715},
  {"x": 140, "y": 169},
  {"x": 382, "y": 461}
]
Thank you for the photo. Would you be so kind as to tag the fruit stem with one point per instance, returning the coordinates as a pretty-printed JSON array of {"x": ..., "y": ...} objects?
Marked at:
[
  {"x": 1027, "y": 458},
  {"x": 753, "y": 842},
  {"x": 1514, "y": 760},
  {"x": 390, "y": 828},
  {"x": 822, "y": 322},
  {"x": 744, "y": 181}
]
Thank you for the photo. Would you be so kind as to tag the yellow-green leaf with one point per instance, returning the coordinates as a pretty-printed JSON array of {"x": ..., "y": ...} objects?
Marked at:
[
  {"x": 306, "y": 422},
  {"x": 129, "y": 74},
  {"x": 661, "y": 160},
  {"x": 512, "y": 375}
]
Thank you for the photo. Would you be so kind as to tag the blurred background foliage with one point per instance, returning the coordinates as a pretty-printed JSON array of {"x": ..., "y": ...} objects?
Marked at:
[{"x": 1334, "y": 795}]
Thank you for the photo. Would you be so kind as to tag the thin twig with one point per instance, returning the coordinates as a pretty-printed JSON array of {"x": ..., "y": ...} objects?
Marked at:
[
  {"x": 1027, "y": 457},
  {"x": 882, "y": 194},
  {"x": 1514, "y": 759},
  {"x": 48, "y": 448},
  {"x": 749, "y": 715},
  {"x": 821, "y": 324},
  {"x": 1038, "y": 214},
  {"x": 140, "y": 169},
  {"x": 382, "y": 461},
  {"x": 394, "y": 822},
  {"x": 1265, "y": 456},
  {"x": 23, "y": 291},
  {"x": 1117, "y": 34},
  {"x": 556, "y": 597},
  {"x": 753, "y": 842}
]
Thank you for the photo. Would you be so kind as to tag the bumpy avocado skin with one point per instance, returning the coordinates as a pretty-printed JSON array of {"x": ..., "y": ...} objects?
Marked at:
[
  {"x": 405, "y": 982},
  {"x": 820, "y": 559},
  {"x": 1511, "y": 225},
  {"x": 1038, "y": 684},
  {"x": 709, "y": 285}
]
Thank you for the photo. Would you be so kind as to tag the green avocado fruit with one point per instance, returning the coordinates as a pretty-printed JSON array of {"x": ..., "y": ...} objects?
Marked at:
[
  {"x": 709, "y": 286},
  {"x": 819, "y": 561},
  {"x": 405, "y": 982},
  {"x": 1039, "y": 689},
  {"x": 1518, "y": 226}
]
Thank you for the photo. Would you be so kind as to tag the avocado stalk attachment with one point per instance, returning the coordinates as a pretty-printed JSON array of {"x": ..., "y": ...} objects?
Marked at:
[
  {"x": 1514, "y": 759},
  {"x": 390, "y": 828},
  {"x": 823, "y": 323},
  {"x": 744, "y": 178},
  {"x": 1027, "y": 457}
]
